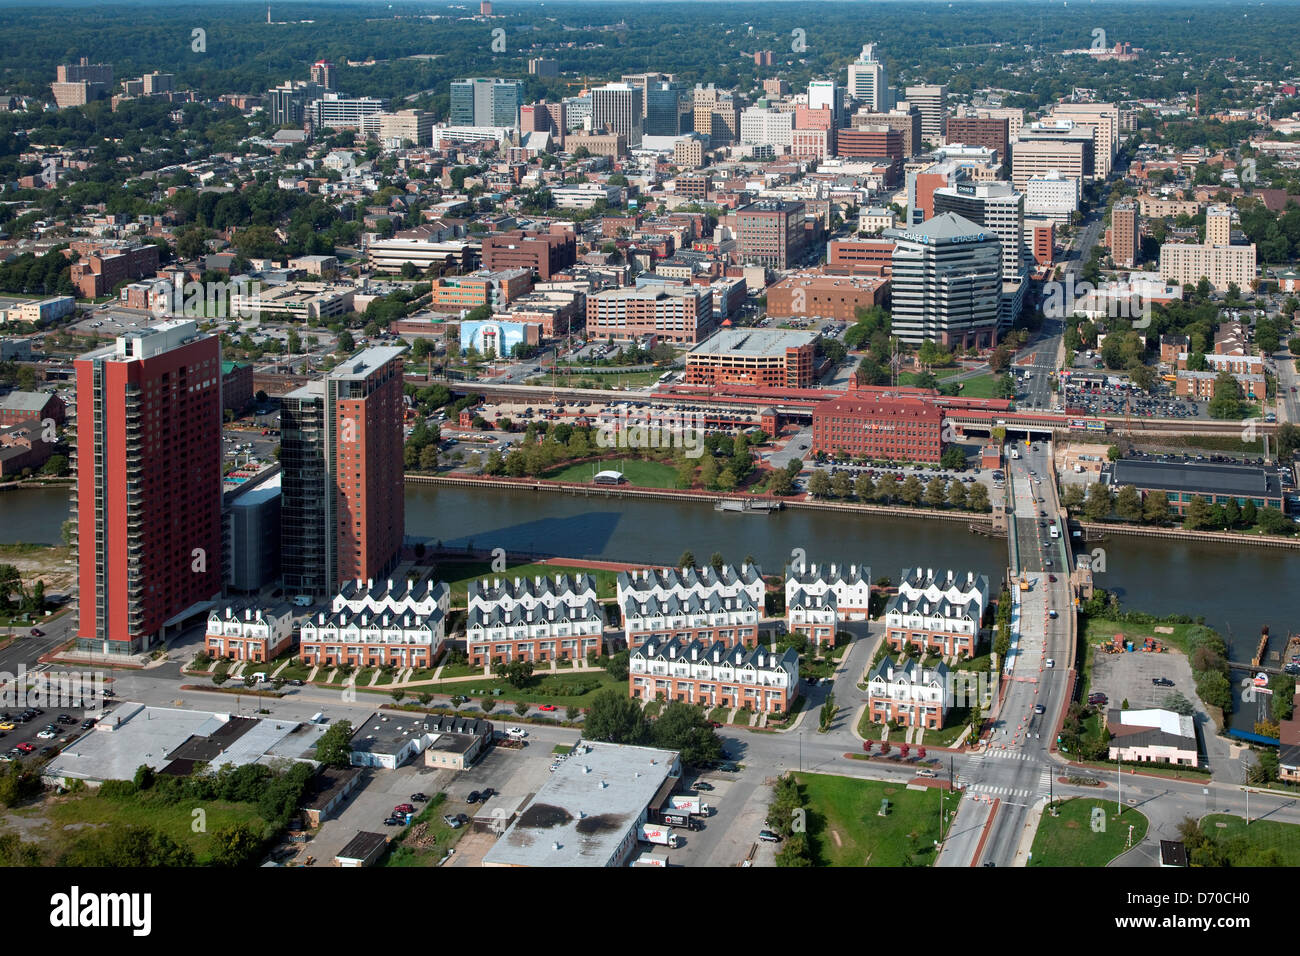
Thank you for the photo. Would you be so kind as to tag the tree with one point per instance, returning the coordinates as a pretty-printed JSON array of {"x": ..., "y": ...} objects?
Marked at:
[
  {"x": 346, "y": 343},
  {"x": 334, "y": 749},
  {"x": 953, "y": 458},
  {"x": 864, "y": 488},
  {"x": 1100, "y": 502},
  {"x": 1283, "y": 697},
  {"x": 781, "y": 483},
  {"x": 1073, "y": 497},
  {"x": 1197, "y": 516},
  {"x": 615, "y": 718},
  {"x": 912, "y": 490},
  {"x": 795, "y": 852},
  {"x": 887, "y": 489},
  {"x": 957, "y": 494},
  {"x": 936, "y": 492},
  {"x": 1178, "y": 704},
  {"x": 684, "y": 727},
  {"x": 840, "y": 485},
  {"x": 687, "y": 560},
  {"x": 716, "y": 560},
  {"x": 819, "y": 484},
  {"x": 517, "y": 673},
  {"x": 1226, "y": 402},
  {"x": 1128, "y": 503},
  {"x": 978, "y": 499},
  {"x": 234, "y": 845},
  {"x": 56, "y": 465},
  {"x": 1155, "y": 509}
]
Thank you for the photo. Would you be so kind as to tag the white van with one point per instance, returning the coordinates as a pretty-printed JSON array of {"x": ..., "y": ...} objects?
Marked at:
[{"x": 259, "y": 677}]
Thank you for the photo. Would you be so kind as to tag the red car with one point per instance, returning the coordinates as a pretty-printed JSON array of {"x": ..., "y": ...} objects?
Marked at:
[
  {"x": 404, "y": 808},
  {"x": 26, "y": 748},
  {"x": 547, "y": 707}
]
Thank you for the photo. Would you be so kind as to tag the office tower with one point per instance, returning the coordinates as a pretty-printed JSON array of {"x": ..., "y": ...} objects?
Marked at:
[
  {"x": 1125, "y": 241},
  {"x": 1218, "y": 225},
  {"x": 770, "y": 232},
  {"x": 903, "y": 118},
  {"x": 155, "y": 83},
  {"x": 828, "y": 95},
  {"x": 1051, "y": 196},
  {"x": 988, "y": 132},
  {"x": 704, "y": 103},
  {"x": 932, "y": 103},
  {"x": 544, "y": 117},
  {"x": 489, "y": 101},
  {"x": 1055, "y": 144},
  {"x": 996, "y": 206},
  {"x": 148, "y": 498},
  {"x": 1186, "y": 263},
  {"x": 485, "y": 8},
  {"x": 84, "y": 71},
  {"x": 668, "y": 109},
  {"x": 618, "y": 107},
  {"x": 1104, "y": 118},
  {"x": 333, "y": 111},
  {"x": 947, "y": 282},
  {"x": 543, "y": 67},
  {"x": 342, "y": 503},
  {"x": 286, "y": 104},
  {"x": 869, "y": 82},
  {"x": 324, "y": 73},
  {"x": 766, "y": 127},
  {"x": 869, "y": 142}
]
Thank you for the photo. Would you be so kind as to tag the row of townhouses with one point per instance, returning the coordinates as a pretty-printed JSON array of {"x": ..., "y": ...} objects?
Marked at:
[
  {"x": 714, "y": 674},
  {"x": 533, "y": 619}
]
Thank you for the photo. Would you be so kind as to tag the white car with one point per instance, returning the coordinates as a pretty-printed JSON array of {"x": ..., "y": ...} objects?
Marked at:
[
  {"x": 47, "y": 735},
  {"x": 1049, "y": 663},
  {"x": 518, "y": 733}
]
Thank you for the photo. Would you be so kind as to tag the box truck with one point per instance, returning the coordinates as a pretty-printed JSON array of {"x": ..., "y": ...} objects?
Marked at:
[{"x": 655, "y": 833}]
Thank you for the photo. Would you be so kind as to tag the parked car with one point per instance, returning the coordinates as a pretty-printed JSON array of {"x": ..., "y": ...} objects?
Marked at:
[
  {"x": 25, "y": 747},
  {"x": 702, "y": 785},
  {"x": 47, "y": 735},
  {"x": 473, "y": 797},
  {"x": 295, "y": 682},
  {"x": 767, "y": 836},
  {"x": 393, "y": 821},
  {"x": 403, "y": 808},
  {"x": 547, "y": 707},
  {"x": 1162, "y": 682},
  {"x": 517, "y": 733},
  {"x": 419, "y": 798}
]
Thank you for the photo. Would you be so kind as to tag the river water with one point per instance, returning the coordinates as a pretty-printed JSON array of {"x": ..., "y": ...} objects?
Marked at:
[{"x": 1236, "y": 590}]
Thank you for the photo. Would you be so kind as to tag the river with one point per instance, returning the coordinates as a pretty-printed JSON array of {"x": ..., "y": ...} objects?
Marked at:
[{"x": 1236, "y": 590}]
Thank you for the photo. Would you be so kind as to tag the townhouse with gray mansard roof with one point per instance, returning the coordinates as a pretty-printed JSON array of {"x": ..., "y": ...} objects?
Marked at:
[{"x": 714, "y": 674}]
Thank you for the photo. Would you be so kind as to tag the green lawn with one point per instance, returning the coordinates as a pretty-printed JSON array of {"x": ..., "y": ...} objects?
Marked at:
[
  {"x": 844, "y": 829},
  {"x": 643, "y": 474},
  {"x": 982, "y": 386},
  {"x": 652, "y": 708},
  {"x": 459, "y": 574},
  {"x": 72, "y": 815},
  {"x": 1101, "y": 630},
  {"x": 720, "y": 714},
  {"x": 458, "y": 670},
  {"x": 1071, "y": 840},
  {"x": 909, "y": 378},
  {"x": 1259, "y": 835}
]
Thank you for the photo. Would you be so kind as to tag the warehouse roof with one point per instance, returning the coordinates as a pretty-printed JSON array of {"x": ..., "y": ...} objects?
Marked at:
[{"x": 1209, "y": 478}]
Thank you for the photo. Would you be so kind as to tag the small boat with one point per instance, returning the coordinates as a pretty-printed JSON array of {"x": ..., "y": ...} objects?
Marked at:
[{"x": 746, "y": 506}]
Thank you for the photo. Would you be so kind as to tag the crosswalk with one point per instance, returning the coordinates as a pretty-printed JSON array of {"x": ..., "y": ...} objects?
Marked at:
[
  {"x": 994, "y": 790},
  {"x": 1009, "y": 755}
]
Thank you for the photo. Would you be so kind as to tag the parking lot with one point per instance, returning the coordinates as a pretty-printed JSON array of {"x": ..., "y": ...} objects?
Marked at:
[
  {"x": 1112, "y": 399},
  {"x": 23, "y": 740},
  {"x": 1128, "y": 677}
]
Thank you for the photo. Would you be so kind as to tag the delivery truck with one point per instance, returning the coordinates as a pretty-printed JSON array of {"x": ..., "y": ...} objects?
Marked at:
[
  {"x": 656, "y": 833},
  {"x": 688, "y": 803}
]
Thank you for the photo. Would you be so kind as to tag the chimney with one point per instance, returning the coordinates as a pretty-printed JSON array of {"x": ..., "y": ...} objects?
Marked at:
[
  {"x": 390, "y": 584},
  {"x": 762, "y": 659},
  {"x": 717, "y": 653},
  {"x": 370, "y": 583},
  {"x": 695, "y": 652},
  {"x": 248, "y": 614},
  {"x": 672, "y": 652}
]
